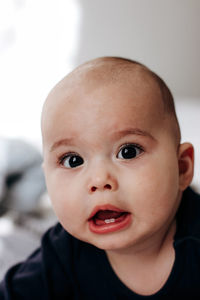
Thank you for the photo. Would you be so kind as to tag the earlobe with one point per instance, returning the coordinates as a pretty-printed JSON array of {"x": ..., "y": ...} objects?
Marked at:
[{"x": 186, "y": 165}]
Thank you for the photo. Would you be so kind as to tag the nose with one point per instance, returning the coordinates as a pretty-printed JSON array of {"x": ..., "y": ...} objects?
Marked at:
[{"x": 101, "y": 179}]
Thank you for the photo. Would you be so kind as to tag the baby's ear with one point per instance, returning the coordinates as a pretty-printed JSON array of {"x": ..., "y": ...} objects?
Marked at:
[{"x": 186, "y": 165}]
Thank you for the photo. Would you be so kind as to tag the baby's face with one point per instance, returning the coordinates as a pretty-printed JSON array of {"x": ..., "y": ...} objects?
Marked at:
[{"x": 111, "y": 163}]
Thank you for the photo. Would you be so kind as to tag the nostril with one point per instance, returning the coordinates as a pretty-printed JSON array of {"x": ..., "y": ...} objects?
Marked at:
[
  {"x": 108, "y": 187},
  {"x": 93, "y": 189}
]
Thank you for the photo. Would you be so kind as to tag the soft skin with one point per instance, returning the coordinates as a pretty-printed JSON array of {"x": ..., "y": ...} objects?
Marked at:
[{"x": 94, "y": 121}]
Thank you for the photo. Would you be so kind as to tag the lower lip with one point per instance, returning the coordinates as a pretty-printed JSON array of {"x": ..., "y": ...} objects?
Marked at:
[{"x": 111, "y": 227}]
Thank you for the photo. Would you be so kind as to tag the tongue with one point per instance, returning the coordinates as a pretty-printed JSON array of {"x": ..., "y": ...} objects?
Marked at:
[{"x": 108, "y": 214}]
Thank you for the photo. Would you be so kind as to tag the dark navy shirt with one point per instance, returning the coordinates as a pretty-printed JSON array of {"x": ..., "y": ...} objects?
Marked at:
[{"x": 66, "y": 268}]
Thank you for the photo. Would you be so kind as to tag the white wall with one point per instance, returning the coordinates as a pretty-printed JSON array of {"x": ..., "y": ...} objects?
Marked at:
[
  {"x": 188, "y": 111},
  {"x": 162, "y": 34}
]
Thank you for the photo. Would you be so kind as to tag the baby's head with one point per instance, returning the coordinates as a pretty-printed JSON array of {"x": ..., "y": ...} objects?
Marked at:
[{"x": 114, "y": 166}]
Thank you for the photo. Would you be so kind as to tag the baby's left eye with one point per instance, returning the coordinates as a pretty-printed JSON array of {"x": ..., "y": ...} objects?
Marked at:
[{"x": 129, "y": 151}]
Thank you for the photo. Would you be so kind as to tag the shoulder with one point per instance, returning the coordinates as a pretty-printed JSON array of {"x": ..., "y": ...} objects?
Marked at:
[
  {"x": 46, "y": 270},
  {"x": 70, "y": 252},
  {"x": 188, "y": 216},
  {"x": 58, "y": 241}
]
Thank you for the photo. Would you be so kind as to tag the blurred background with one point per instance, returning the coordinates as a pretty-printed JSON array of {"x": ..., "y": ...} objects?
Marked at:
[{"x": 41, "y": 41}]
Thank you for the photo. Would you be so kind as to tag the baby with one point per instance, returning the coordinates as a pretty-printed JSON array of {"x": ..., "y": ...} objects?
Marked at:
[{"x": 118, "y": 179}]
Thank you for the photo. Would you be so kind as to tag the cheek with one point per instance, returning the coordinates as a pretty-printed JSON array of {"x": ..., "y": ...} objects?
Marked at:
[
  {"x": 152, "y": 188},
  {"x": 65, "y": 198},
  {"x": 161, "y": 172}
]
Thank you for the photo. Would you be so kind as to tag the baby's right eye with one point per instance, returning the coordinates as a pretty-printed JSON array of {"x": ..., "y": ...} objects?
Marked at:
[{"x": 71, "y": 161}]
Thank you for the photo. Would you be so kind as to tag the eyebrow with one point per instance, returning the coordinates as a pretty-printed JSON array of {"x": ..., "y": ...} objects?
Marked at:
[
  {"x": 63, "y": 142},
  {"x": 133, "y": 131},
  {"x": 119, "y": 134}
]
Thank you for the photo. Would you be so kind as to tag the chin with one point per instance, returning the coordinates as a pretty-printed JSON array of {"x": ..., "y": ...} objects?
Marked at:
[{"x": 110, "y": 243}]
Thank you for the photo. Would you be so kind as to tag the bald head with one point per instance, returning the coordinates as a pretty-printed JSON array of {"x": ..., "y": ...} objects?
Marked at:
[
  {"x": 114, "y": 70},
  {"x": 117, "y": 69}
]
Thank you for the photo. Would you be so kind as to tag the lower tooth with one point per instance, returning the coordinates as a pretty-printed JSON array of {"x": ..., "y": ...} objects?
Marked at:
[{"x": 107, "y": 221}]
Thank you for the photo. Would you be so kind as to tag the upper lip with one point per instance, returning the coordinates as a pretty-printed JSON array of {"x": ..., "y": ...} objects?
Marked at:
[{"x": 104, "y": 207}]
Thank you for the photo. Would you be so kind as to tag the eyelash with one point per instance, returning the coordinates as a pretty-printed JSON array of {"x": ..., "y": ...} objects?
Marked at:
[
  {"x": 131, "y": 144},
  {"x": 64, "y": 156},
  {"x": 123, "y": 146}
]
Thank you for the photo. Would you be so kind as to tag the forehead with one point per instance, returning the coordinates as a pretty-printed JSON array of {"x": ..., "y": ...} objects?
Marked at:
[{"x": 82, "y": 101}]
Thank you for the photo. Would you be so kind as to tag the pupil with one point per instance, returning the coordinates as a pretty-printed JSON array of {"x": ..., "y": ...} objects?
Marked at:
[
  {"x": 75, "y": 161},
  {"x": 129, "y": 152}
]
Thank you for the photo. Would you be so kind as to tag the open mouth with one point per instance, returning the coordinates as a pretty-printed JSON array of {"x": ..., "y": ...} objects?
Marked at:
[
  {"x": 103, "y": 217},
  {"x": 105, "y": 220}
]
